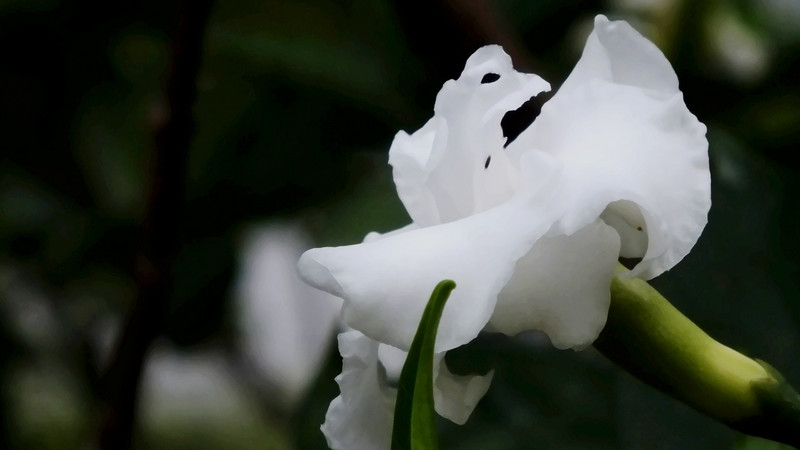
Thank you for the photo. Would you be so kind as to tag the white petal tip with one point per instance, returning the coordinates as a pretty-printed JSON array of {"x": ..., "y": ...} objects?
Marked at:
[
  {"x": 488, "y": 53},
  {"x": 316, "y": 274},
  {"x": 600, "y": 19}
]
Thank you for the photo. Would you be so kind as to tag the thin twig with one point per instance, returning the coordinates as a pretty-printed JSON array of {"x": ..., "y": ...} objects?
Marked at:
[{"x": 160, "y": 231}]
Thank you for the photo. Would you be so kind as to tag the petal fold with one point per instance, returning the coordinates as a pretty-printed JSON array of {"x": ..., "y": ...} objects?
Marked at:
[
  {"x": 387, "y": 282},
  {"x": 561, "y": 287},
  {"x": 625, "y": 137},
  {"x": 616, "y": 52},
  {"x": 455, "y": 165},
  {"x": 361, "y": 417},
  {"x": 455, "y": 396}
]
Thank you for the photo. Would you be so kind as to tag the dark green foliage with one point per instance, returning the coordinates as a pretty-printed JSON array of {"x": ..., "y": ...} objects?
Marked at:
[{"x": 414, "y": 415}]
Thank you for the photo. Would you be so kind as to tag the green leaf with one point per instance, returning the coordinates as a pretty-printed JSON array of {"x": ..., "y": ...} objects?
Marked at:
[
  {"x": 746, "y": 442},
  {"x": 414, "y": 417}
]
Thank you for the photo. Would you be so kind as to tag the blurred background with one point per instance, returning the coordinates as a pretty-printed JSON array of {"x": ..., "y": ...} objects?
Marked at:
[{"x": 147, "y": 264}]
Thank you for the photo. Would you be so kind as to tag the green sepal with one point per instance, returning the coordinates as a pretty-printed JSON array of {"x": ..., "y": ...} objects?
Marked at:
[
  {"x": 414, "y": 414},
  {"x": 779, "y": 415}
]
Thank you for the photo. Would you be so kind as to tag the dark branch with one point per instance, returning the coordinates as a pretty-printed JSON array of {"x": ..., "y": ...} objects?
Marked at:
[{"x": 160, "y": 231}]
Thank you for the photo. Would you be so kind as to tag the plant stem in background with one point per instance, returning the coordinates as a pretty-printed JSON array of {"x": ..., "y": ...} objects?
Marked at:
[{"x": 160, "y": 231}]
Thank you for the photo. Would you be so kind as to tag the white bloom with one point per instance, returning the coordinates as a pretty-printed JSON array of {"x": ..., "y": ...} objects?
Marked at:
[
  {"x": 530, "y": 231},
  {"x": 286, "y": 326}
]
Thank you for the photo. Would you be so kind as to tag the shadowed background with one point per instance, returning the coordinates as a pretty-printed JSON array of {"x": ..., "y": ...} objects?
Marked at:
[{"x": 107, "y": 190}]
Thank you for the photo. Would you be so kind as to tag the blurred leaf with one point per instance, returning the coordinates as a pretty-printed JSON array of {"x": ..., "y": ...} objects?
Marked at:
[
  {"x": 349, "y": 50},
  {"x": 7, "y": 6},
  {"x": 754, "y": 443},
  {"x": 141, "y": 57},
  {"x": 113, "y": 145},
  {"x": 371, "y": 204},
  {"x": 317, "y": 62}
]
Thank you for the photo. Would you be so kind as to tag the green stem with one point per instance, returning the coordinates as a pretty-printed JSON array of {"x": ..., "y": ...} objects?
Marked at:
[{"x": 651, "y": 339}]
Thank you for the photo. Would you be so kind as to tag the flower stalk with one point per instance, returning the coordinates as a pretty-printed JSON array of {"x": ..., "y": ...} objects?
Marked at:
[{"x": 652, "y": 340}]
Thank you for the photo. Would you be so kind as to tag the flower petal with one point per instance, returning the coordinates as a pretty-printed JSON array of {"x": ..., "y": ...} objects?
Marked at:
[
  {"x": 410, "y": 159},
  {"x": 361, "y": 417},
  {"x": 386, "y": 282},
  {"x": 561, "y": 286},
  {"x": 286, "y": 325},
  {"x": 616, "y": 52},
  {"x": 630, "y": 148},
  {"x": 455, "y": 396},
  {"x": 455, "y": 165}
]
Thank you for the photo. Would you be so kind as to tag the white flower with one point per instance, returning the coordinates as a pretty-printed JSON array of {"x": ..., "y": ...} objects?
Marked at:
[
  {"x": 286, "y": 326},
  {"x": 530, "y": 231}
]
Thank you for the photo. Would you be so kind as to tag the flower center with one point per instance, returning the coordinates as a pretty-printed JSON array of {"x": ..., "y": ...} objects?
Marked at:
[{"x": 626, "y": 217}]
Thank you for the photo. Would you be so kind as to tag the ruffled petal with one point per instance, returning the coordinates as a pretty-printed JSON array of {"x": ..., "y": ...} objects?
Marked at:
[
  {"x": 387, "y": 282},
  {"x": 409, "y": 157},
  {"x": 455, "y": 396},
  {"x": 361, "y": 417},
  {"x": 630, "y": 148},
  {"x": 616, "y": 52},
  {"x": 561, "y": 286},
  {"x": 392, "y": 359},
  {"x": 455, "y": 165}
]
